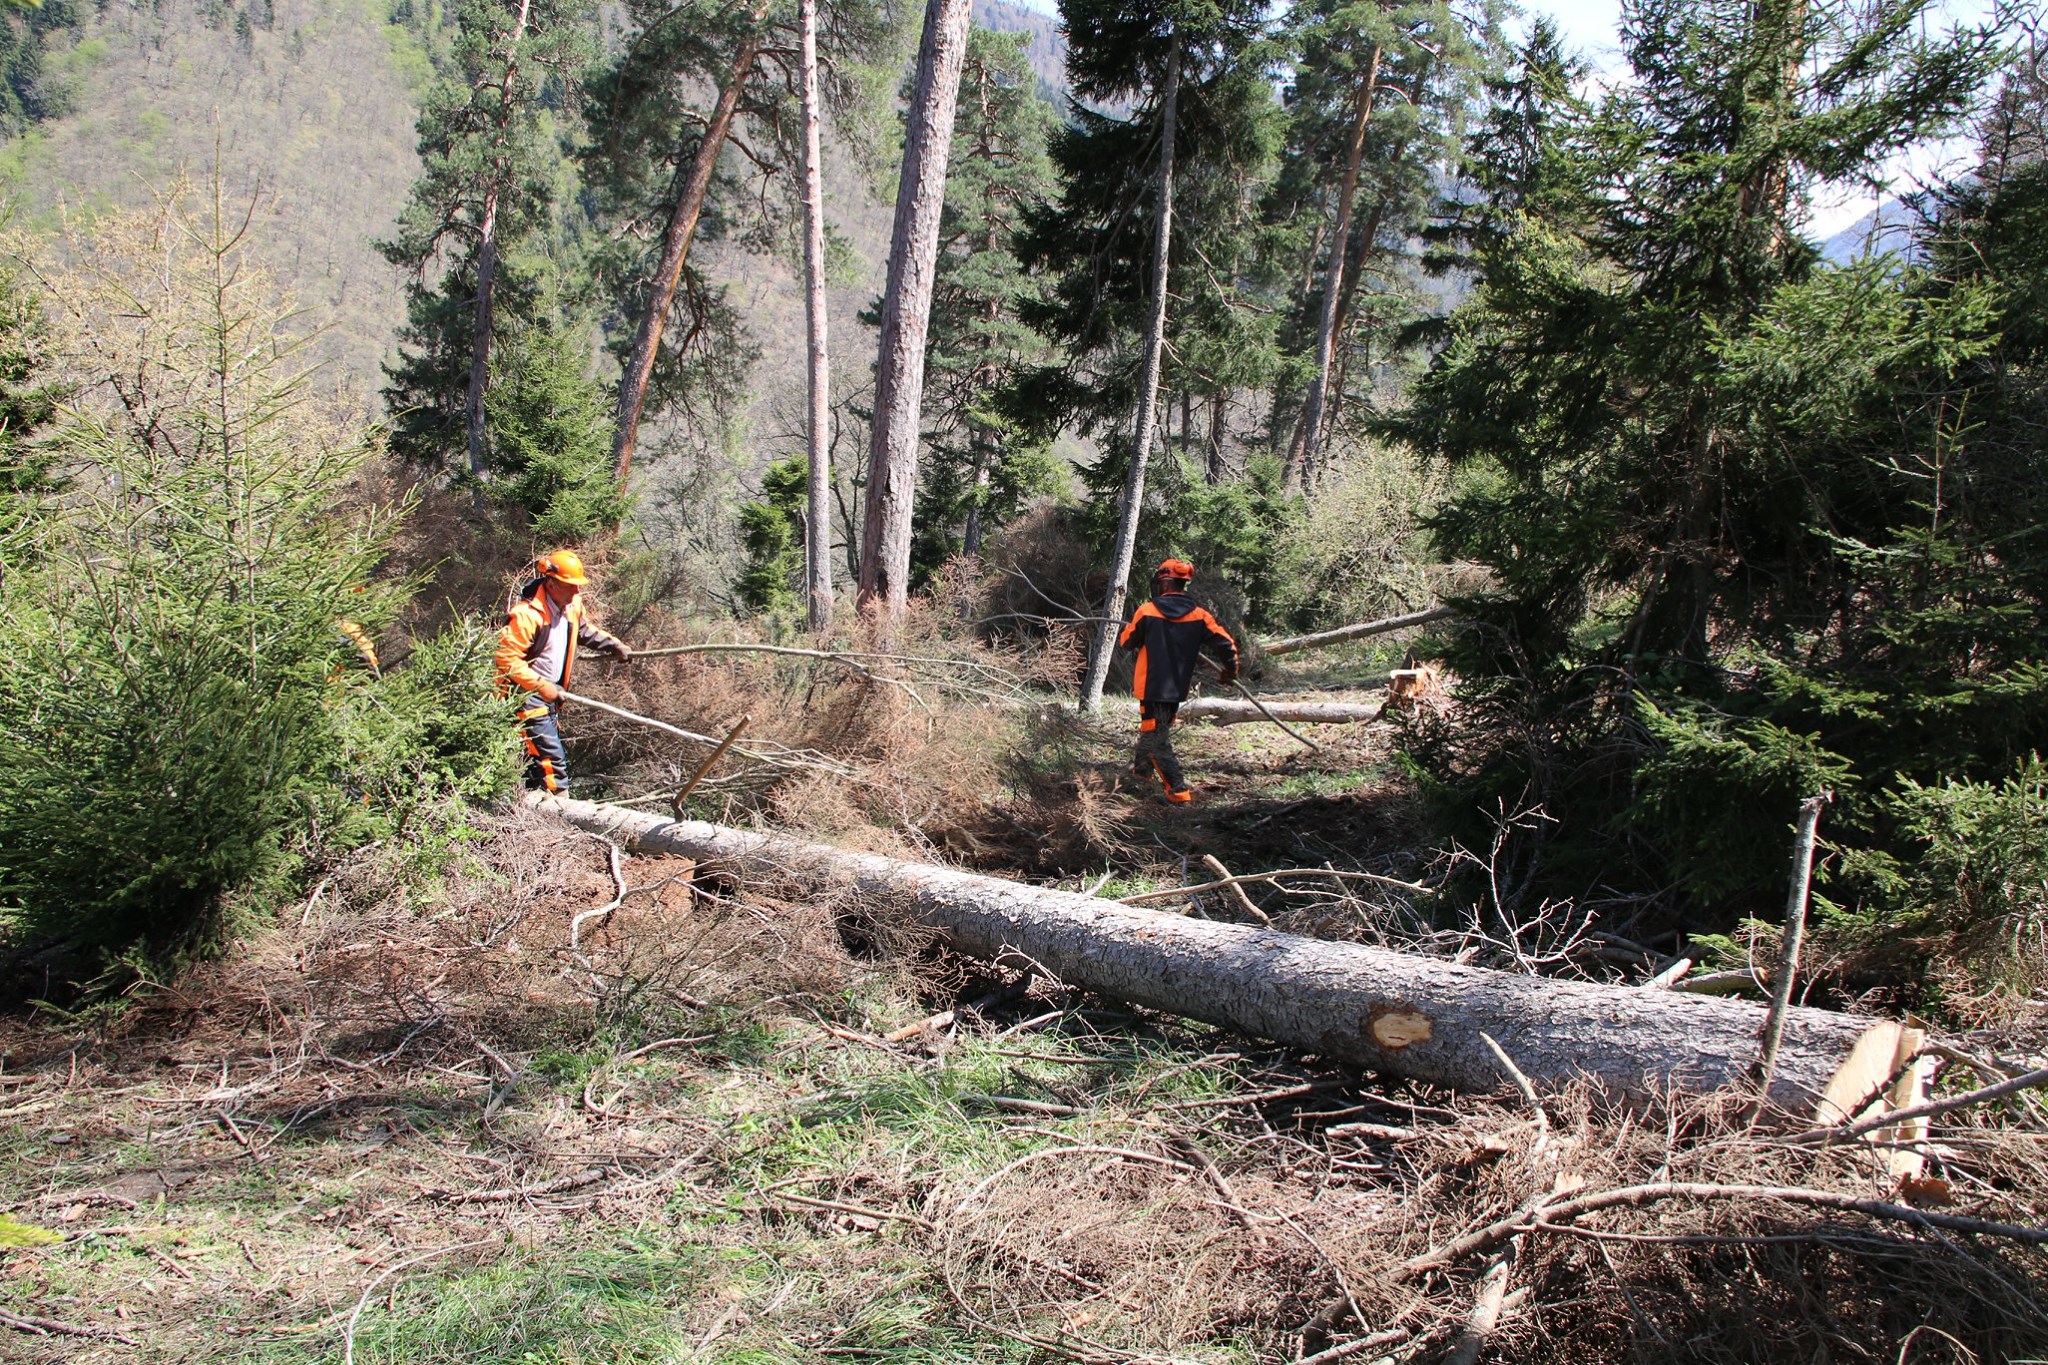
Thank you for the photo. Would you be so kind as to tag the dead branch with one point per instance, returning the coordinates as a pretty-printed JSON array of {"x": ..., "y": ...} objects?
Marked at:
[
  {"x": 348, "y": 1335},
  {"x": 2032, "y": 1080},
  {"x": 1346, "y": 1350},
  {"x": 1788, "y": 957},
  {"x": 1322, "y": 639},
  {"x": 1537, "y": 1219},
  {"x": 1147, "y": 897},
  {"x": 1244, "y": 902},
  {"x": 580, "y": 1180},
  {"x": 41, "y": 1327},
  {"x": 1485, "y": 1315}
]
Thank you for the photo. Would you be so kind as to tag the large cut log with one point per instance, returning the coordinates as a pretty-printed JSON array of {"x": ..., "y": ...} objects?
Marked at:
[
  {"x": 1237, "y": 711},
  {"x": 1359, "y": 631},
  {"x": 1385, "y": 1010}
]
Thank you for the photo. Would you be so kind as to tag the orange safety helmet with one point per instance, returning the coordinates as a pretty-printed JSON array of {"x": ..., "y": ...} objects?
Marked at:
[
  {"x": 1175, "y": 568},
  {"x": 564, "y": 566}
]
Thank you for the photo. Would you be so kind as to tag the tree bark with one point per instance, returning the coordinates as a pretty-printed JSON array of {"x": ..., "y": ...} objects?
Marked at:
[
  {"x": 906, "y": 310},
  {"x": 818, "y": 504},
  {"x": 1299, "y": 455},
  {"x": 1103, "y": 642},
  {"x": 487, "y": 261},
  {"x": 675, "y": 250},
  {"x": 1325, "y": 638},
  {"x": 1372, "y": 1007},
  {"x": 480, "y": 334},
  {"x": 1216, "y": 436}
]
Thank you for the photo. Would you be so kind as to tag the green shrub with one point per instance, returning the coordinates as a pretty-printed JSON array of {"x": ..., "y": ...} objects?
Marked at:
[{"x": 182, "y": 721}]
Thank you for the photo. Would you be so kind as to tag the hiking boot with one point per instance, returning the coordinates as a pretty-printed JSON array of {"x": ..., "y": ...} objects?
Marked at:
[{"x": 1181, "y": 797}]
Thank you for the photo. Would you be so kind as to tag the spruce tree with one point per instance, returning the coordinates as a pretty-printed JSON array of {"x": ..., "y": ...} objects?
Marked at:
[{"x": 1664, "y": 415}]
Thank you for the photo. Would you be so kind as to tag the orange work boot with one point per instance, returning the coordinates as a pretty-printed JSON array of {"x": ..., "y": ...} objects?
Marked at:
[{"x": 1181, "y": 797}]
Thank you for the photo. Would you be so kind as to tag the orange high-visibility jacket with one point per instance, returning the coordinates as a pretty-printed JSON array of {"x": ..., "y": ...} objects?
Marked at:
[
  {"x": 1167, "y": 632},
  {"x": 526, "y": 634}
]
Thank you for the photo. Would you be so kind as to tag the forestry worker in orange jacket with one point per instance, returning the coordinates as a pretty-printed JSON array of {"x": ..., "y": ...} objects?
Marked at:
[
  {"x": 1167, "y": 633},
  {"x": 536, "y": 654}
]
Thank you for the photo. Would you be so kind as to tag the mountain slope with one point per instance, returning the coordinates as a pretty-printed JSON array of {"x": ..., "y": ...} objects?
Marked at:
[{"x": 309, "y": 105}]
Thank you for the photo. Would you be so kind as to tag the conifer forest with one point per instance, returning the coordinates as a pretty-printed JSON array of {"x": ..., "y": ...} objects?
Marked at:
[{"x": 1138, "y": 682}]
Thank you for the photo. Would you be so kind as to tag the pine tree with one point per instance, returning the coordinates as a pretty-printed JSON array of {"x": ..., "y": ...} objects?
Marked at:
[
  {"x": 905, "y": 311},
  {"x": 661, "y": 171},
  {"x": 490, "y": 155},
  {"x": 1376, "y": 113}
]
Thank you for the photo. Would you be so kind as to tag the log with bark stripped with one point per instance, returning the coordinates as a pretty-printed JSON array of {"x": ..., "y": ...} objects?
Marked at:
[{"x": 1389, "y": 1011}]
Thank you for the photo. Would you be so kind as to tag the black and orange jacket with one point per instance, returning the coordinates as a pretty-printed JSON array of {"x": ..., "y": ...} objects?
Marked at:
[
  {"x": 1168, "y": 632},
  {"x": 525, "y": 637}
]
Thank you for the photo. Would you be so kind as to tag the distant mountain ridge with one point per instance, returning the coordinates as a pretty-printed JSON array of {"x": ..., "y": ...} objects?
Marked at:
[
  {"x": 1888, "y": 227},
  {"x": 1045, "y": 46}
]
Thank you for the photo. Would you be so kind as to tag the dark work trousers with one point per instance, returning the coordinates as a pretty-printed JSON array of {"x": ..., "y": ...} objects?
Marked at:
[
  {"x": 1155, "y": 756},
  {"x": 547, "y": 764}
]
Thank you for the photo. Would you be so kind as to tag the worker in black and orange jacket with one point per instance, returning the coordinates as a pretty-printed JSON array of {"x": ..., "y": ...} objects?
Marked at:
[
  {"x": 536, "y": 654},
  {"x": 1167, "y": 633}
]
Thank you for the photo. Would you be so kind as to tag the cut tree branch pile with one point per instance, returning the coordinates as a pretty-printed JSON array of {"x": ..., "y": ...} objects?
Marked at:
[{"x": 1393, "y": 1012}]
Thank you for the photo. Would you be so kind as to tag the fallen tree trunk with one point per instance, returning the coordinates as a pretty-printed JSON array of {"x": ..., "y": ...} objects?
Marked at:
[
  {"x": 1238, "y": 711},
  {"x": 1392, "y": 1012},
  {"x": 1359, "y": 631}
]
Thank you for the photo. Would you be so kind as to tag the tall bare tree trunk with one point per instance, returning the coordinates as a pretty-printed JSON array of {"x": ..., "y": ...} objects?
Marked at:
[
  {"x": 675, "y": 249},
  {"x": 1303, "y": 450},
  {"x": 1103, "y": 641},
  {"x": 818, "y": 507},
  {"x": 487, "y": 260},
  {"x": 907, "y": 307}
]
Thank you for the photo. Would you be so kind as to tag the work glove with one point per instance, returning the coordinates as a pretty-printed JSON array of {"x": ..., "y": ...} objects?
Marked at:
[
  {"x": 617, "y": 649},
  {"x": 548, "y": 692},
  {"x": 1229, "y": 674}
]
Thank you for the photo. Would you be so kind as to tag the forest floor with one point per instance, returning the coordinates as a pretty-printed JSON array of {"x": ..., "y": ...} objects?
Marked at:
[{"x": 412, "y": 1121}]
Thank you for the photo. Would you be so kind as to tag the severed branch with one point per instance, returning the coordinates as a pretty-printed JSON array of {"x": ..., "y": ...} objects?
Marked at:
[
  {"x": 1244, "y": 902},
  {"x": 1485, "y": 1315},
  {"x": 1848, "y": 1132},
  {"x": 1546, "y": 1218},
  {"x": 1360, "y": 631},
  {"x": 777, "y": 757},
  {"x": 1147, "y": 897},
  {"x": 41, "y": 1327},
  {"x": 675, "y": 805}
]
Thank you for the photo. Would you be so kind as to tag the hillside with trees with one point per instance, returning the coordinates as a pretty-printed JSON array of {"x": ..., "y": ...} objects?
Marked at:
[{"x": 1192, "y": 681}]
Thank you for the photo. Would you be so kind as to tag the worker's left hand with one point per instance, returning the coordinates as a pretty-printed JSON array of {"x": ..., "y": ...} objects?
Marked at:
[
  {"x": 617, "y": 649},
  {"x": 1229, "y": 675}
]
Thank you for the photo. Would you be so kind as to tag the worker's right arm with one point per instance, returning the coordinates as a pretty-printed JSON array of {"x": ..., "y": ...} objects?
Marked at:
[
  {"x": 1133, "y": 636},
  {"x": 515, "y": 674}
]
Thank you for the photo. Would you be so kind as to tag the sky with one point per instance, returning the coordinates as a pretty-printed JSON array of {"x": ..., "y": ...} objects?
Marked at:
[{"x": 1593, "y": 27}]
